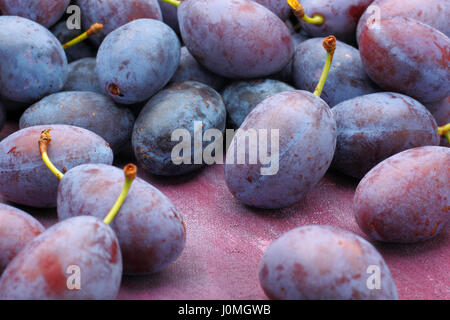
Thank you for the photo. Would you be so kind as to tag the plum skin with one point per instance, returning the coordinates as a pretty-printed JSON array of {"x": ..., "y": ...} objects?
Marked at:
[
  {"x": 25, "y": 179},
  {"x": 322, "y": 262},
  {"x": 82, "y": 76},
  {"x": 150, "y": 230},
  {"x": 43, "y": 12},
  {"x": 33, "y": 61},
  {"x": 241, "y": 97},
  {"x": 89, "y": 110},
  {"x": 178, "y": 106},
  {"x": 138, "y": 59},
  {"x": 435, "y": 13},
  {"x": 374, "y": 127},
  {"x": 341, "y": 17},
  {"x": 406, "y": 56},
  {"x": 17, "y": 228},
  {"x": 106, "y": 13},
  {"x": 262, "y": 46},
  {"x": 347, "y": 78},
  {"x": 279, "y": 7},
  {"x": 406, "y": 197},
  {"x": 307, "y": 143},
  {"x": 38, "y": 272},
  {"x": 190, "y": 70}
]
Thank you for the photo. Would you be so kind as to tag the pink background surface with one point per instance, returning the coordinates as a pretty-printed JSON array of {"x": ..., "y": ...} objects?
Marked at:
[{"x": 225, "y": 240}]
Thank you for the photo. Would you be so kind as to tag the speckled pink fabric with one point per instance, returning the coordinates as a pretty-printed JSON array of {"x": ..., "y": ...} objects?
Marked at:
[{"x": 226, "y": 240}]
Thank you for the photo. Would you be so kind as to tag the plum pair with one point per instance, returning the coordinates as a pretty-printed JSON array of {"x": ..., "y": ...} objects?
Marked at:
[{"x": 146, "y": 236}]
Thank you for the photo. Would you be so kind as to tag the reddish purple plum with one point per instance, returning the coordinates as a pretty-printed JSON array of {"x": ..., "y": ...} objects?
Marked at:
[
  {"x": 341, "y": 17},
  {"x": 116, "y": 13},
  {"x": 235, "y": 39},
  {"x": 406, "y": 198},
  {"x": 324, "y": 263},
  {"x": 44, "y": 12},
  {"x": 406, "y": 56},
  {"x": 435, "y": 13},
  {"x": 17, "y": 228},
  {"x": 374, "y": 127},
  {"x": 42, "y": 269}
]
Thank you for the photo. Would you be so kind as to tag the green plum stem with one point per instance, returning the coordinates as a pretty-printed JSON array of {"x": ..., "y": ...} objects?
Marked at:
[
  {"x": 299, "y": 12},
  {"x": 44, "y": 141},
  {"x": 94, "y": 29},
  {"x": 175, "y": 3},
  {"x": 130, "y": 172},
  {"x": 329, "y": 43}
]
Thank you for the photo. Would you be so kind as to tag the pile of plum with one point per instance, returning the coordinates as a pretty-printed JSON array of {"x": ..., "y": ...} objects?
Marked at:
[{"x": 373, "y": 104}]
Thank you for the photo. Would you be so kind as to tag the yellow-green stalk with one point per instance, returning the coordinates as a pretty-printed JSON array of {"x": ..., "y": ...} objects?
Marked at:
[
  {"x": 94, "y": 29},
  {"x": 329, "y": 43},
  {"x": 130, "y": 172},
  {"x": 299, "y": 12}
]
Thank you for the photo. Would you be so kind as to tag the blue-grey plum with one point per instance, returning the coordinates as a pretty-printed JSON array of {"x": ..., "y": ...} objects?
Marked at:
[
  {"x": 89, "y": 110},
  {"x": 82, "y": 76},
  {"x": 190, "y": 70},
  {"x": 374, "y": 127},
  {"x": 324, "y": 263},
  {"x": 137, "y": 60},
  {"x": 242, "y": 97},
  {"x": 33, "y": 62},
  {"x": 299, "y": 157},
  {"x": 25, "y": 179},
  {"x": 177, "y": 107},
  {"x": 150, "y": 230},
  {"x": 235, "y": 39},
  {"x": 347, "y": 78}
]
